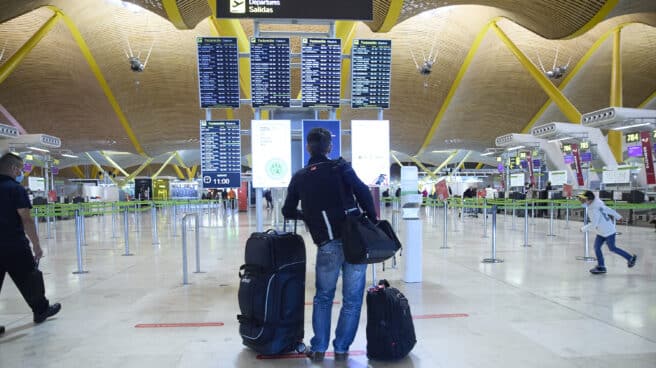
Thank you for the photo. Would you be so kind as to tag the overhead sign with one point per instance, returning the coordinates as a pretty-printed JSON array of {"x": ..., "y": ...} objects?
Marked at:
[
  {"x": 321, "y": 71},
  {"x": 647, "y": 155},
  {"x": 632, "y": 137},
  {"x": 270, "y": 74},
  {"x": 577, "y": 161},
  {"x": 558, "y": 177},
  {"x": 334, "y": 127},
  {"x": 271, "y": 146},
  {"x": 371, "y": 70},
  {"x": 370, "y": 150},
  {"x": 517, "y": 180},
  {"x": 220, "y": 153},
  {"x": 621, "y": 175},
  {"x": 296, "y": 9},
  {"x": 218, "y": 72}
]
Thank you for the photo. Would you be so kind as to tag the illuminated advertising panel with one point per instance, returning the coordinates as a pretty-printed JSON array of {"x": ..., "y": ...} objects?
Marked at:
[
  {"x": 370, "y": 150},
  {"x": 271, "y": 144}
]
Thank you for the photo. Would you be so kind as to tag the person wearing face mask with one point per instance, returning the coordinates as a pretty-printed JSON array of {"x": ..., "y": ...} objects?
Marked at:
[
  {"x": 16, "y": 257},
  {"x": 601, "y": 221}
]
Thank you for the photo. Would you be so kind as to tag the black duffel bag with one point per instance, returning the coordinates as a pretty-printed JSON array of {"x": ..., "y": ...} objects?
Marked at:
[{"x": 366, "y": 242}]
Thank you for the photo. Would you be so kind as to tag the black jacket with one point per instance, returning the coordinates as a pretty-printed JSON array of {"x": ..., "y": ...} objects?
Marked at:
[{"x": 317, "y": 187}]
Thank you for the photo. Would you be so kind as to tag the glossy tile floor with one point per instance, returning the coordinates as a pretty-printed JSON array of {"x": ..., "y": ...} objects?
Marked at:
[{"x": 539, "y": 308}]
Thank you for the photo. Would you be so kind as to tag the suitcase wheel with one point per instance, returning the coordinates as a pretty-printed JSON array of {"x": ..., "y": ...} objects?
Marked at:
[{"x": 300, "y": 348}]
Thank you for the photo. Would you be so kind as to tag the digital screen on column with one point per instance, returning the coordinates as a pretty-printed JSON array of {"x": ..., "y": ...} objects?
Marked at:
[
  {"x": 321, "y": 71},
  {"x": 270, "y": 74},
  {"x": 220, "y": 153},
  {"x": 371, "y": 69},
  {"x": 218, "y": 72}
]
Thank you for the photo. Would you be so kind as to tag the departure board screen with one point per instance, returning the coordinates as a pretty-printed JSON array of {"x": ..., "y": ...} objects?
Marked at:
[
  {"x": 270, "y": 74},
  {"x": 371, "y": 65},
  {"x": 321, "y": 71},
  {"x": 220, "y": 153},
  {"x": 218, "y": 72}
]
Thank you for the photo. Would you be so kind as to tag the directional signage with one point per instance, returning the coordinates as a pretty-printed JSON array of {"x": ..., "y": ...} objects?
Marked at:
[
  {"x": 270, "y": 74},
  {"x": 296, "y": 9},
  {"x": 218, "y": 72},
  {"x": 371, "y": 65},
  {"x": 220, "y": 153},
  {"x": 321, "y": 71}
]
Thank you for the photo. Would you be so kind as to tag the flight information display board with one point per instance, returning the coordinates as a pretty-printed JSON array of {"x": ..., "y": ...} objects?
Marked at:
[
  {"x": 218, "y": 72},
  {"x": 321, "y": 71},
  {"x": 371, "y": 69},
  {"x": 270, "y": 74},
  {"x": 296, "y": 9},
  {"x": 220, "y": 153}
]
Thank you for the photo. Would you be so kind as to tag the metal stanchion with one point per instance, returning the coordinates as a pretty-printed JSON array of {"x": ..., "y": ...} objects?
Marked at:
[
  {"x": 485, "y": 218},
  {"x": 586, "y": 239},
  {"x": 513, "y": 215},
  {"x": 153, "y": 223},
  {"x": 566, "y": 215},
  {"x": 197, "y": 245},
  {"x": 78, "y": 237},
  {"x": 174, "y": 219},
  {"x": 533, "y": 213},
  {"x": 137, "y": 223},
  {"x": 126, "y": 235},
  {"x": 551, "y": 219},
  {"x": 494, "y": 258},
  {"x": 395, "y": 216},
  {"x": 185, "y": 276},
  {"x": 48, "y": 234},
  {"x": 84, "y": 228},
  {"x": 526, "y": 244},
  {"x": 114, "y": 211},
  {"x": 446, "y": 215}
]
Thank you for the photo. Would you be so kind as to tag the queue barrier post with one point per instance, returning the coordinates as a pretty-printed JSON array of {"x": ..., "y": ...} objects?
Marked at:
[
  {"x": 586, "y": 240},
  {"x": 126, "y": 229},
  {"x": 526, "y": 244},
  {"x": 185, "y": 273},
  {"x": 78, "y": 238},
  {"x": 551, "y": 219},
  {"x": 494, "y": 258}
]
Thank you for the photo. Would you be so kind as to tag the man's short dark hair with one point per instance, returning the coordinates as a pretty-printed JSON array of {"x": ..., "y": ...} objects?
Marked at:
[
  {"x": 587, "y": 195},
  {"x": 318, "y": 140},
  {"x": 8, "y": 160}
]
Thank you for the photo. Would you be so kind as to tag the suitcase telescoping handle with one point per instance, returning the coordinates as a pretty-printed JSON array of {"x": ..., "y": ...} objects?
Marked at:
[{"x": 284, "y": 224}]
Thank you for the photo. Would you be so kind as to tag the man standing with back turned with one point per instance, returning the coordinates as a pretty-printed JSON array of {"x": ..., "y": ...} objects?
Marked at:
[
  {"x": 16, "y": 257},
  {"x": 326, "y": 191}
]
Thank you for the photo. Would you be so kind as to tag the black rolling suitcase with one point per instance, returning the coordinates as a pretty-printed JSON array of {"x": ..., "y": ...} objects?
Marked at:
[
  {"x": 272, "y": 293},
  {"x": 390, "y": 331}
]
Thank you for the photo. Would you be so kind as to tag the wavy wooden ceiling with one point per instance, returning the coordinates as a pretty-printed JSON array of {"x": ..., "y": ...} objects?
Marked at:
[{"x": 53, "y": 90}]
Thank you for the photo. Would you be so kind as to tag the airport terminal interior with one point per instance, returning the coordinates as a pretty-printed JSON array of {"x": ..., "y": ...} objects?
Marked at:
[{"x": 158, "y": 135}]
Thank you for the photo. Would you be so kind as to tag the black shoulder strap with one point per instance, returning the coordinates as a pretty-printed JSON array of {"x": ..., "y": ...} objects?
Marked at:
[{"x": 338, "y": 167}]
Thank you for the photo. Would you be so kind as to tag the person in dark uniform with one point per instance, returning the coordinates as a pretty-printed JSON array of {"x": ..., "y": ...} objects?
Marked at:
[
  {"x": 16, "y": 257},
  {"x": 327, "y": 190}
]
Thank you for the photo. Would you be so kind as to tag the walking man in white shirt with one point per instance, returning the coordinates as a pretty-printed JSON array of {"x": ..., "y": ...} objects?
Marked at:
[{"x": 601, "y": 222}]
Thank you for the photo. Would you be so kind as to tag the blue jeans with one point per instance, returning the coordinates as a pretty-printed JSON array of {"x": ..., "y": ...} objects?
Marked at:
[
  {"x": 610, "y": 240},
  {"x": 330, "y": 261}
]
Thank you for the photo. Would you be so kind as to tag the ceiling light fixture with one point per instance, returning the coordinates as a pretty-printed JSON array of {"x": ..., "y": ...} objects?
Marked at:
[
  {"x": 488, "y": 153},
  {"x": 514, "y": 148},
  {"x": 559, "y": 139},
  {"x": 69, "y": 155},
  {"x": 38, "y": 149},
  {"x": 631, "y": 126}
]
